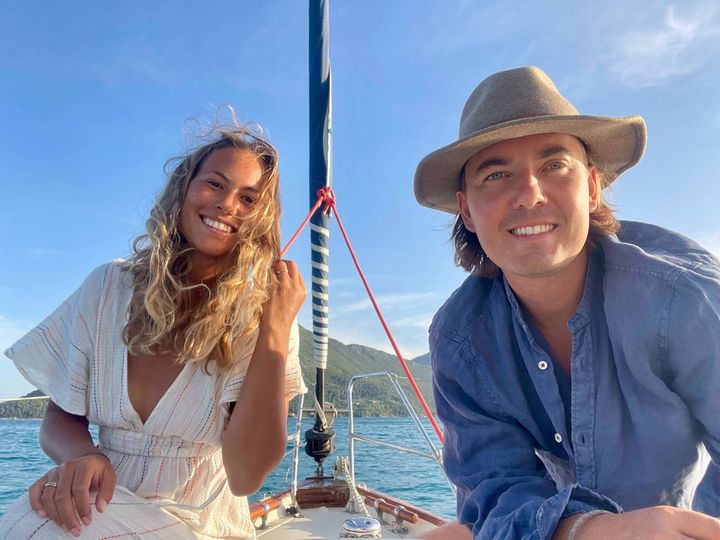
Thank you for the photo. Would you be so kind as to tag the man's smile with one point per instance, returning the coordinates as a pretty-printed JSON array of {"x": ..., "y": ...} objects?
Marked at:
[{"x": 530, "y": 230}]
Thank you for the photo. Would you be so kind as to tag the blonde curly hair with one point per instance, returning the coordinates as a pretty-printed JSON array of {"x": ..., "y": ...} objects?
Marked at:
[{"x": 201, "y": 322}]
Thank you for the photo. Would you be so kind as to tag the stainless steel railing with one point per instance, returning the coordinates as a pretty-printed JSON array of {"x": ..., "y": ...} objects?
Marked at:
[{"x": 434, "y": 453}]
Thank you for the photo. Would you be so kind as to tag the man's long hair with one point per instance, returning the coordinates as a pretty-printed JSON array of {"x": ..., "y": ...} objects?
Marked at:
[
  {"x": 201, "y": 322},
  {"x": 470, "y": 256}
]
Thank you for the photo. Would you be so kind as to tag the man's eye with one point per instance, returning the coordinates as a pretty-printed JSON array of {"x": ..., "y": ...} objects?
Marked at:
[
  {"x": 497, "y": 175},
  {"x": 556, "y": 165}
]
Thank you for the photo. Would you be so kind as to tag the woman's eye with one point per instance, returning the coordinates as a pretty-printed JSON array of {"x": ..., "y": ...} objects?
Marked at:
[
  {"x": 246, "y": 199},
  {"x": 497, "y": 175},
  {"x": 214, "y": 183}
]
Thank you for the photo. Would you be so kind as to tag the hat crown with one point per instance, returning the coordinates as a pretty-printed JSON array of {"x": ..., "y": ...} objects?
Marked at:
[{"x": 515, "y": 94}]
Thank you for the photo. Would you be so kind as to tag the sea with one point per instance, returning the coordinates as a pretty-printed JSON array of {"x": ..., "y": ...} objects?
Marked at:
[{"x": 405, "y": 476}]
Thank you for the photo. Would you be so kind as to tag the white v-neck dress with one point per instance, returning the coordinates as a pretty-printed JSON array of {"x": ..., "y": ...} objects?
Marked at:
[{"x": 77, "y": 357}]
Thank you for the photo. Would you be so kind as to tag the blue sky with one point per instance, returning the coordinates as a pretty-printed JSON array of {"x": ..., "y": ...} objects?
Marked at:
[{"x": 94, "y": 97}]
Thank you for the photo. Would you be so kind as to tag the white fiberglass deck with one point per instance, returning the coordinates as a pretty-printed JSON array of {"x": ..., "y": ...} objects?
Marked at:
[{"x": 324, "y": 523}]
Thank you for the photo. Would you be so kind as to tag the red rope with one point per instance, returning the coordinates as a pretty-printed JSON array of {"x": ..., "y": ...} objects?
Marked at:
[
  {"x": 326, "y": 195},
  {"x": 395, "y": 347}
]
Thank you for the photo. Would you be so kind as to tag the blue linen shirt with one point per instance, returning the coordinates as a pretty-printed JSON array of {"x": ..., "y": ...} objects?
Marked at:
[{"x": 644, "y": 400}]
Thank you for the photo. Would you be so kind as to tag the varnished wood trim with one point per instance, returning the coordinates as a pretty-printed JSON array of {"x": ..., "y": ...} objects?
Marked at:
[
  {"x": 257, "y": 509},
  {"x": 392, "y": 502}
]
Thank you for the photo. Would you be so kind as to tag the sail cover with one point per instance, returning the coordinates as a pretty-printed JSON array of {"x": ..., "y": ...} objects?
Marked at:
[{"x": 320, "y": 177}]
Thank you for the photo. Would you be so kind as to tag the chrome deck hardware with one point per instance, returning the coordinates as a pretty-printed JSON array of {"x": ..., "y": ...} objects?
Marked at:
[{"x": 361, "y": 527}]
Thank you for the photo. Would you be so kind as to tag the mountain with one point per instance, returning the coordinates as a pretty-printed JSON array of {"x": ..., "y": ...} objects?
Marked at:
[
  {"x": 423, "y": 360},
  {"x": 371, "y": 397},
  {"x": 32, "y": 408}
]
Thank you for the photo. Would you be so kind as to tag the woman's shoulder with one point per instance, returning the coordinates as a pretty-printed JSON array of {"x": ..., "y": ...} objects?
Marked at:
[
  {"x": 104, "y": 280},
  {"x": 100, "y": 273}
]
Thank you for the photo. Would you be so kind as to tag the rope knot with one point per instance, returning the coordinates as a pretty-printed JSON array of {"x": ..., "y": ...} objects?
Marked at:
[{"x": 327, "y": 196}]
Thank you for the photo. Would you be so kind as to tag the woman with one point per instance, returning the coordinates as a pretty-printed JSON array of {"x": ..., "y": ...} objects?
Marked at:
[{"x": 185, "y": 356}]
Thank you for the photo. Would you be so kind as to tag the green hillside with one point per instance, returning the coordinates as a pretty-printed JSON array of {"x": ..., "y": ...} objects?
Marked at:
[
  {"x": 373, "y": 397},
  {"x": 31, "y": 408}
]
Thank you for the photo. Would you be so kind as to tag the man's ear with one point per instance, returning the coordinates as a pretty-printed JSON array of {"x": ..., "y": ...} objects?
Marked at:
[
  {"x": 594, "y": 190},
  {"x": 465, "y": 211}
]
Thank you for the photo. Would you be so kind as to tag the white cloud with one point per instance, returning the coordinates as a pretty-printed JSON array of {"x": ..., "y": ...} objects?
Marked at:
[
  {"x": 651, "y": 55},
  {"x": 387, "y": 301},
  {"x": 408, "y": 317},
  {"x": 412, "y": 342},
  {"x": 421, "y": 320}
]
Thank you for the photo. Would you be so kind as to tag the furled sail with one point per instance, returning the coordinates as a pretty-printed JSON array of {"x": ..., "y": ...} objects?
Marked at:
[{"x": 319, "y": 438}]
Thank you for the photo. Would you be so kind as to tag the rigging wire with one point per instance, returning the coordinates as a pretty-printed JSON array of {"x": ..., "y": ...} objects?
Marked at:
[{"x": 327, "y": 196}]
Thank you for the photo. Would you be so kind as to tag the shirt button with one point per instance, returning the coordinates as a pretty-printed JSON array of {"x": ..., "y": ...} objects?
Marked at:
[
  {"x": 543, "y": 365},
  {"x": 558, "y": 438}
]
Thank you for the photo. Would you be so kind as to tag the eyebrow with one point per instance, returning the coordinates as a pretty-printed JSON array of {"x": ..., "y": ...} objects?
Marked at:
[
  {"x": 491, "y": 162},
  {"x": 247, "y": 188},
  {"x": 552, "y": 150}
]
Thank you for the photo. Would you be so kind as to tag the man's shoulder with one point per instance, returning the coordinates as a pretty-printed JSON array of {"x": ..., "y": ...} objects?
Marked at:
[
  {"x": 652, "y": 250},
  {"x": 462, "y": 311}
]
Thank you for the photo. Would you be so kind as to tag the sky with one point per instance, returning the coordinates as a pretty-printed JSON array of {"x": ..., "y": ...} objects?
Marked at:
[{"x": 96, "y": 96}]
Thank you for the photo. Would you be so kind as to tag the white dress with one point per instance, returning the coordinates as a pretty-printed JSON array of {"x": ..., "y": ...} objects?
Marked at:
[{"x": 77, "y": 357}]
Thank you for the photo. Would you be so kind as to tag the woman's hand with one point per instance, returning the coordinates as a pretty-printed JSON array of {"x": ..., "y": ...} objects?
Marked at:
[
  {"x": 63, "y": 493},
  {"x": 287, "y": 294}
]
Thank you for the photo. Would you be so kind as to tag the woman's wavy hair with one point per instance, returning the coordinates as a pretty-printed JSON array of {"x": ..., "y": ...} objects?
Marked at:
[
  {"x": 470, "y": 256},
  {"x": 201, "y": 322}
]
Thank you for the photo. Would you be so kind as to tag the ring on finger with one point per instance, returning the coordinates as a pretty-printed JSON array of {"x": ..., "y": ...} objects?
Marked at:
[
  {"x": 50, "y": 484},
  {"x": 280, "y": 271}
]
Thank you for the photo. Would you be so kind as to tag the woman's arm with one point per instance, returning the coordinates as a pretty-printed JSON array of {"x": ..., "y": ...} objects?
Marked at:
[
  {"x": 255, "y": 437},
  {"x": 63, "y": 493},
  {"x": 64, "y": 436}
]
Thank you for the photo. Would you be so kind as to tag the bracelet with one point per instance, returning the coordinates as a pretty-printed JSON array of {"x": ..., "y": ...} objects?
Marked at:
[{"x": 582, "y": 520}]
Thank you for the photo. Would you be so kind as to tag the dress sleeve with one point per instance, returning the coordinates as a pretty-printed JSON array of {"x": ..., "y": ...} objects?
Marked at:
[
  {"x": 56, "y": 355},
  {"x": 503, "y": 489},
  {"x": 294, "y": 384}
]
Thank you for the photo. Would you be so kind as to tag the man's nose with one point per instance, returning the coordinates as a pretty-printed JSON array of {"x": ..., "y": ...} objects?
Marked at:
[{"x": 528, "y": 190}]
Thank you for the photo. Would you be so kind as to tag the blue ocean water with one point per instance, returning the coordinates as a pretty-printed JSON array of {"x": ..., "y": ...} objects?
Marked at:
[{"x": 405, "y": 476}]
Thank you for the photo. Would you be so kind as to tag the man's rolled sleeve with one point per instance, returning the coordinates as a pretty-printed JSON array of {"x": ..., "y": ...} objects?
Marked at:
[
  {"x": 504, "y": 490},
  {"x": 693, "y": 358}
]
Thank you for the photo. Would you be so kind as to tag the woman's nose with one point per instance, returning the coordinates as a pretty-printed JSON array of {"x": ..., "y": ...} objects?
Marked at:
[{"x": 228, "y": 203}]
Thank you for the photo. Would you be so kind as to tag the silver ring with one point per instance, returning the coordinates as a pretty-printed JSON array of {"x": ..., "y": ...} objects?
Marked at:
[
  {"x": 280, "y": 271},
  {"x": 50, "y": 484}
]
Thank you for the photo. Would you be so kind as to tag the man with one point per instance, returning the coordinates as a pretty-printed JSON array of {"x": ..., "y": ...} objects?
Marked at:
[{"x": 577, "y": 368}]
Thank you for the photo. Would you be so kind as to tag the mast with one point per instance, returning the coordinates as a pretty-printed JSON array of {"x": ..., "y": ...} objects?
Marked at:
[{"x": 319, "y": 438}]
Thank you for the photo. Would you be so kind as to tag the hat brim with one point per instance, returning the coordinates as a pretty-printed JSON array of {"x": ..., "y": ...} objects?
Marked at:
[{"x": 615, "y": 145}]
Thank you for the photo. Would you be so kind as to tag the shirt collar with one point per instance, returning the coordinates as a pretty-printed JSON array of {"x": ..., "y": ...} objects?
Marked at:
[{"x": 583, "y": 314}]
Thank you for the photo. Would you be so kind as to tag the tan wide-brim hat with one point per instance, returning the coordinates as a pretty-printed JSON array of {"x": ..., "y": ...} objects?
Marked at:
[{"x": 516, "y": 103}]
